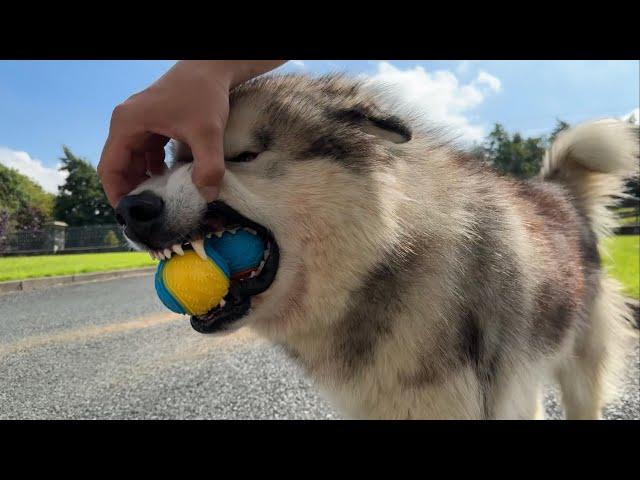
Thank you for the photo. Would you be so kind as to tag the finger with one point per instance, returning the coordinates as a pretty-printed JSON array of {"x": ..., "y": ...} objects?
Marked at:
[
  {"x": 155, "y": 161},
  {"x": 116, "y": 158},
  {"x": 208, "y": 164},
  {"x": 112, "y": 170},
  {"x": 123, "y": 163}
]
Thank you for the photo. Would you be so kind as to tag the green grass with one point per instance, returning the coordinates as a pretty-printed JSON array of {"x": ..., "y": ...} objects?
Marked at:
[
  {"x": 628, "y": 220},
  {"x": 624, "y": 261},
  {"x": 18, "y": 268}
]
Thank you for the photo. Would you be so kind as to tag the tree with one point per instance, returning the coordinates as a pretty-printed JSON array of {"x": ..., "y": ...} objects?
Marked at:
[
  {"x": 111, "y": 239},
  {"x": 4, "y": 228},
  {"x": 514, "y": 155},
  {"x": 29, "y": 218},
  {"x": 24, "y": 205},
  {"x": 18, "y": 191},
  {"x": 81, "y": 200},
  {"x": 560, "y": 126}
]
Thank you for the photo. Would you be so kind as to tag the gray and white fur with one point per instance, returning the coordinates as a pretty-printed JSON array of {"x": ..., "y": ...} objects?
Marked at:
[{"x": 414, "y": 281}]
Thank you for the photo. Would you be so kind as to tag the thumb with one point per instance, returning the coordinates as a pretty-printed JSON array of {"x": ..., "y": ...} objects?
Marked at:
[{"x": 208, "y": 166}]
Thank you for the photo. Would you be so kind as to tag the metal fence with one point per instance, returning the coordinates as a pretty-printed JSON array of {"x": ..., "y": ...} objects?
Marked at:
[{"x": 56, "y": 237}]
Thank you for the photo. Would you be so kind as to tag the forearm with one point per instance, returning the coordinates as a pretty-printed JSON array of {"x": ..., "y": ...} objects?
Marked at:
[{"x": 233, "y": 72}]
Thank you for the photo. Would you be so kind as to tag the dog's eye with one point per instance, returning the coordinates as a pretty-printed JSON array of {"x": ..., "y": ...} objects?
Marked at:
[{"x": 243, "y": 157}]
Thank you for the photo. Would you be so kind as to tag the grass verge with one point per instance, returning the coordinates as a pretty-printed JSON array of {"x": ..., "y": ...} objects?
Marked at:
[
  {"x": 623, "y": 261},
  {"x": 20, "y": 268}
]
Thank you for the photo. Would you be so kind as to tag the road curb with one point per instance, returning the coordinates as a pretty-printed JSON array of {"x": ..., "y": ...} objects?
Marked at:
[{"x": 46, "y": 282}]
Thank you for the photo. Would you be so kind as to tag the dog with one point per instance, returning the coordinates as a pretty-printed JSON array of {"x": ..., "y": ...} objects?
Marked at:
[{"x": 407, "y": 278}]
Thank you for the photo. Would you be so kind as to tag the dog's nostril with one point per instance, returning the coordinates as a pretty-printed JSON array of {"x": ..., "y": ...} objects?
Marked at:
[
  {"x": 145, "y": 211},
  {"x": 138, "y": 210}
]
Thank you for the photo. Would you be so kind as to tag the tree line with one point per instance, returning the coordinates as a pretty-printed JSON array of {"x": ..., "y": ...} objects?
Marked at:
[
  {"x": 25, "y": 206},
  {"x": 80, "y": 201}
]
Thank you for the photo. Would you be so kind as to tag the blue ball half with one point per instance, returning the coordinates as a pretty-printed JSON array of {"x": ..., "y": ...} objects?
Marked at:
[{"x": 241, "y": 250}]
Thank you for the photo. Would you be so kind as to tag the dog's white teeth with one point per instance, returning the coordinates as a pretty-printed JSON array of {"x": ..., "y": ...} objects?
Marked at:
[
  {"x": 167, "y": 253},
  {"x": 251, "y": 231},
  {"x": 233, "y": 230},
  {"x": 218, "y": 233},
  {"x": 208, "y": 235},
  {"x": 222, "y": 303},
  {"x": 198, "y": 246},
  {"x": 178, "y": 249},
  {"x": 160, "y": 255},
  {"x": 253, "y": 274},
  {"x": 260, "y": 266}
]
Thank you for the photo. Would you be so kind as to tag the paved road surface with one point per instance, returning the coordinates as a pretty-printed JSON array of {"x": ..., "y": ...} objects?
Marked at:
[{"x": 109, "y": 350}]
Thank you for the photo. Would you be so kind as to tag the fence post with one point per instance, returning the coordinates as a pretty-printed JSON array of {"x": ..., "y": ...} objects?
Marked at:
[{"x": 54, "y": 236}]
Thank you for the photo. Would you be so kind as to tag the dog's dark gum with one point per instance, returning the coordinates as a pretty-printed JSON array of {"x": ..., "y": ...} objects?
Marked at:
[
  {"x": 257, "y": 285},
  {"x": 218, "y": 320}
]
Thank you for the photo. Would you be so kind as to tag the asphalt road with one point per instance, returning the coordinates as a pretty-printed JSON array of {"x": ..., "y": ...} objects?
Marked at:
[{"x": 109, "y": 350}]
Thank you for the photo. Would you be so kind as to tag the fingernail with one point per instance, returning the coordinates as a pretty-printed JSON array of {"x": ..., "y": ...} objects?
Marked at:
[{"x": 209, "y": 193}]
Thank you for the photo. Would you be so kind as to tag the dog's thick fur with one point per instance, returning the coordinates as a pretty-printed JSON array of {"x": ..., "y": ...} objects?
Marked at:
[{"x": 416, "y": 282}]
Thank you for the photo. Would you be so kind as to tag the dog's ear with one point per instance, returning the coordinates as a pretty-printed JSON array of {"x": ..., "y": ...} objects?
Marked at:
[{"x": 377, "y": 123}]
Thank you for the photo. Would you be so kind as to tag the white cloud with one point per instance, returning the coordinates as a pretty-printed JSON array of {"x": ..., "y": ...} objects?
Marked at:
[
  {"x": 439, "y": 96},
  {"x": 48, "y": 178},
  {"x": 492, "y": 82},
  {"x": 463, "y": 67},
  {"x": 636, "y": 115},
  {"x": 298, "y": 63}
]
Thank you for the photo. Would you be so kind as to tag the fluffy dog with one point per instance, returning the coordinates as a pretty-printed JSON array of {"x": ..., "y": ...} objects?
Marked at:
[{"x": 408, "y": 279}]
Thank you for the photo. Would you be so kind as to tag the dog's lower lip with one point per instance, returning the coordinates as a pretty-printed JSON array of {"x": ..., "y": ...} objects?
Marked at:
[{"x": 215, "y": 322}]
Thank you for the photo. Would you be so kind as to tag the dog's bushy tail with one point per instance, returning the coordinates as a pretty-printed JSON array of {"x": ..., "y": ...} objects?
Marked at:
[{"x": 594, "y": 159}]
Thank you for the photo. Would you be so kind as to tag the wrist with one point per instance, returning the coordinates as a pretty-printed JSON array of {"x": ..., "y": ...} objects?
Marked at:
[
  {"x": 244, "y": 70},
  {"x": 232, "y": 72}
]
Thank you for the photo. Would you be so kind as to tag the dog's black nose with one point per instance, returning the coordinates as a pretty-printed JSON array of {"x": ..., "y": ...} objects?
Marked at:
[{"x": 141, "y": 214}]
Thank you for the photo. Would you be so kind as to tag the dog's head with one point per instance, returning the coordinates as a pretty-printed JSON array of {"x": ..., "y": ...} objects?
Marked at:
[{"x": 311, "y": 165}]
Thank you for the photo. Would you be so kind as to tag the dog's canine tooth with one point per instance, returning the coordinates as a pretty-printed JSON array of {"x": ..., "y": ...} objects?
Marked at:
[
  {"x": 167, "y": 252},
  {"x": 198, "y": 247},
  {"x": 222, "y": 303},
  {"x": 178, "y": 249},
  {"x": 253, "y": 274},
  {"x": 251, "y": 231},
  {"x": 218, "y": 233}
]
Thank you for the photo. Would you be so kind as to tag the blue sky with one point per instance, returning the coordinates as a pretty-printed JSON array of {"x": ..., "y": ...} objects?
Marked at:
[{"x": 44, "y": 104}]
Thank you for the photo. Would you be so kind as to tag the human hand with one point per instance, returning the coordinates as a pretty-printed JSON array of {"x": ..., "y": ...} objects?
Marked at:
[{"x": 189, "y": 103}]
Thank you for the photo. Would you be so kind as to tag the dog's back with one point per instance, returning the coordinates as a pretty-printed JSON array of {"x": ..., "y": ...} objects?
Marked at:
[
  {"x": 519, "y": 294},
  {"x": 535, "y": 284}
]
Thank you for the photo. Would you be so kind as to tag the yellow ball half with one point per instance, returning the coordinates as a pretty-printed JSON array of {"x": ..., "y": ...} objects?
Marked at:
[{"x": 191, "y": 285}]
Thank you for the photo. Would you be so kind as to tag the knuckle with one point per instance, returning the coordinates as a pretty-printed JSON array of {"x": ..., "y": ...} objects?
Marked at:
[
  {"x": 210, "y": 174},
  {"x": 208, "y": 131},
  {"x": 101, "y": 169},
  {"x": 119, "y": 112}
]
